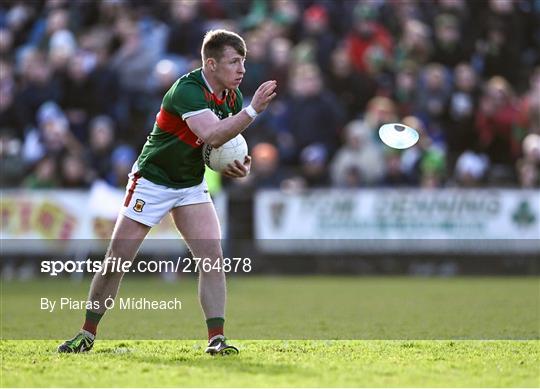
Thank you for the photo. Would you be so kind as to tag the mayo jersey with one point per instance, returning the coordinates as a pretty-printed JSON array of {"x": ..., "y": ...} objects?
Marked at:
[{"x": 172, "y": 154}]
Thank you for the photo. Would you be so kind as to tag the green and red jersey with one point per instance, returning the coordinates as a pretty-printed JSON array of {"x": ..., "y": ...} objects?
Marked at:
[{"x": 172, "y": 153}]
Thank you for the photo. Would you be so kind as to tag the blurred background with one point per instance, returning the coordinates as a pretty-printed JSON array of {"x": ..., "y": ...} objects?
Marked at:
[{"x": 81, "y": 82}]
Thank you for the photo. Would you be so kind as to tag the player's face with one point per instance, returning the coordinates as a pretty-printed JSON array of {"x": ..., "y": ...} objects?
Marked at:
[{"x": 230, "y": 68}]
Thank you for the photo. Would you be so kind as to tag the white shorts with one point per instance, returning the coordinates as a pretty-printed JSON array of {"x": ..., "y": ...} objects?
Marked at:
[{"x": 147, "y": 202}]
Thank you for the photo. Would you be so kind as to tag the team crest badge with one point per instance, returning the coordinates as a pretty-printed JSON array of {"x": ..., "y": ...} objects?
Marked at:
[{"x": 139, "y": 204}]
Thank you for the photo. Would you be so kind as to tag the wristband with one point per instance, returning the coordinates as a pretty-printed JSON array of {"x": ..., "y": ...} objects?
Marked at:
[{"x": 251, "y": 111}]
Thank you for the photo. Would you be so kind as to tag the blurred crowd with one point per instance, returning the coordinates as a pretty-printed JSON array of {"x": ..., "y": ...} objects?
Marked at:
[{"x": 81, "y": 82}]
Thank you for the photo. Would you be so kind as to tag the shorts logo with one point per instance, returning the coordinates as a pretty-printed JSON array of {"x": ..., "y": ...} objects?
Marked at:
[{"x": 139, "y": 204}]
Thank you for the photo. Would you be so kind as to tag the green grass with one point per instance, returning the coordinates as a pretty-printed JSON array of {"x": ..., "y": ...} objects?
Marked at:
[
  {"x": 276, "y": 364},
  {"x": 488, "y": 331},
  {"x": 283, "y": 307}
]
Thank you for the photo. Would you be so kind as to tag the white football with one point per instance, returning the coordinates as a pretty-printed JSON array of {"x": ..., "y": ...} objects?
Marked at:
[{"x": 217, "y": 159}]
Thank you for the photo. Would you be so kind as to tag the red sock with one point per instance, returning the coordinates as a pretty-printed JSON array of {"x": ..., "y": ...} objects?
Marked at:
[
  {"x": 215, "y": 326},
  {"x": 90, "y": 327},
  {"x": 92, "y": 321}
]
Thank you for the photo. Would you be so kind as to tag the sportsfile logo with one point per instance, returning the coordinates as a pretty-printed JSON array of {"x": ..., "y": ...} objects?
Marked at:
[{"x": 117, "y": 265}]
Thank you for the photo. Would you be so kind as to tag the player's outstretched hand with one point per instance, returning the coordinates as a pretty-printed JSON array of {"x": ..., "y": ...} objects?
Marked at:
[
  {"x": 238, "y": 169},
  {"x": 264, "y": 94}
]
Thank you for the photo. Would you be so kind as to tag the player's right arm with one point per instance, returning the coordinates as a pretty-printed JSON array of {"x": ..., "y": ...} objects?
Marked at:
[{"x": 215, "y": 132}]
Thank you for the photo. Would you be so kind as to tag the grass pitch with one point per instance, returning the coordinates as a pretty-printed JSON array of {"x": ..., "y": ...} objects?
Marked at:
[
  {"x": 276, "y": 363},
  {"x": 474, "y": 332},
  {"x": 265, "y": 308}
]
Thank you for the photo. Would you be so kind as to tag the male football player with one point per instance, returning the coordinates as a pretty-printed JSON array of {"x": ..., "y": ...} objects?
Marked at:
[{"x": 203, "y": 106}]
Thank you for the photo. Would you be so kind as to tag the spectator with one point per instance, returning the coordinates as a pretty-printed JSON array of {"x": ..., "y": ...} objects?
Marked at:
[
  {"x": 165, "y": 73},
  {"x": 280, "y": 61},
  {"x": 11, "y": 162},
  {"x": 433, "y": 169},
  {"x": 528, "y": 174},
  {"x": 134, "y": 63},
  {"x": 528, "y": 167},
  {"x": 500, "y": 43},
  {"x": 57, "y": 19},
  {"x": 360, "y": 157},
  {"x": 461, "y": 68},
  {"x": 471, "y": 169},
  {"x": 284, "y": 20},
  {"x": 433, "y": 94},
  {"x": 449, "y": 49},
  {"x": 186, "y": 29},
  {"x": 62, "y": 47},
  {"x": 423, "y": 164},
  {"x": 52, "y": 137},
  {"x": 531, "y": 148},
  {"x": 405, "y": 91},
  {"x": 311, "y": 114},
  {"x": 257, "y": 67},
  {"x": 37, "y": 85},
  {"x": 313, "y": 165},
  {"x": 366, "y": 33},
  {"x": 8, "y": 111},
  {"x": 378, "y": 69},
  {"x": 458, "y": 117},
  {"x": 101, "y": 145},
  {"x": 44, "y": 175},
  {"x": 394, "y": 175},
  {"x": 318, "y": 34},
  {"x": 414, "y": 46},
  {"x": 266, "y": 166},
  {"x": 20, "y": 19},
  {"x": 529, "y": 108},
  {"x": 266, "y": 172},
  {"x": 495, "y": 119},
  {"x": 6, "y": 43},
  {"x": 380, "y": 110},
  {"x": 353, "y": 89},
  {"x": 122, "y": 160},
  {"x": 74, "y": 172},
  {"x": 77, "y": 100},
  {"x": 103, "y": 77}
]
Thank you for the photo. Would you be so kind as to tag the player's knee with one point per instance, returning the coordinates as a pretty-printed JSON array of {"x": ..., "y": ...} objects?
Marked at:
[{"x": 210, "y": 253}]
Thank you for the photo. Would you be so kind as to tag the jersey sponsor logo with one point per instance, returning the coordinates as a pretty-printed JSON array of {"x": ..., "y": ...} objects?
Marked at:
[{"x": 139, "y": 205}]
